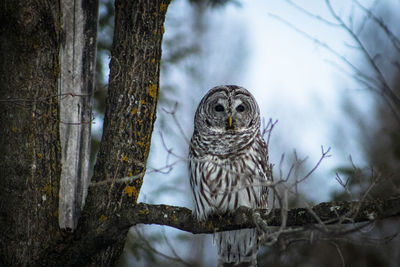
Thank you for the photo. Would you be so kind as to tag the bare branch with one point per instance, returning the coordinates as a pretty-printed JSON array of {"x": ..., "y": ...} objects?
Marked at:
[
  {"x": 173, "y": 114},
  {"x": 324, "y": 154},
  {"x": 339, "y": 252},
  {"x": 268, "y": 129},
  {"x": 385, "y": 86},
  {"x": 378, "y": 83},
  {"x": 362, "y": 77},
  {"x": 149, "y": 246},
  {"x": 312, "y": 15},
  {"x": 393, "y": 38},
  {"x": 328, "y": 212}
]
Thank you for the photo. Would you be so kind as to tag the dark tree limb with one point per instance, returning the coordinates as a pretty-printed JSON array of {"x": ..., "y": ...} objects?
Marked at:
[
  {"x": 74, "y": 251},
  {"x": 345, "y": 212}
]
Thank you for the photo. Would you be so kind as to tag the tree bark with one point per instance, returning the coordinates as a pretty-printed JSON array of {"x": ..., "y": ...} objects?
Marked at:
[
  {"x": 328, "y": 213},
  {"x": 77, "y": 68},
  {"x": 30, "y": 138},
  {"x": 129, "y": 119},
  {"x": 30, "y": 149}
]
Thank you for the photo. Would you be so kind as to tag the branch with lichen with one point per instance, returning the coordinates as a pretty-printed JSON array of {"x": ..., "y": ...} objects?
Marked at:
[{"x": 344, "y": 212}]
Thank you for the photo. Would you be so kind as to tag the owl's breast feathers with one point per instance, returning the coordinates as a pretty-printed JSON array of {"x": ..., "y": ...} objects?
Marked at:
[
  {"x": 222, "y": 182},
  {"x": 228, "y": 163},
  {"x": 223, "y": 144}
]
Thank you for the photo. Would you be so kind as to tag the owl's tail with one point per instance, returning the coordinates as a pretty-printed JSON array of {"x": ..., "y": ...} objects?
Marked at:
[{"x": 237, "y": 248}]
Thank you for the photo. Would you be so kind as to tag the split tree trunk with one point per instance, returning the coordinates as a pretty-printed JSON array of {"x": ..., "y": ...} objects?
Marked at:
[
  {"x": 77, "y": 68},
  {"x": 30, "y": 147}
]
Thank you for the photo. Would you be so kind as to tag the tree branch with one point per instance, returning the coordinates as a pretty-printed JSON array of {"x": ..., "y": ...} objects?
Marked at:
[
  {"x": 344, "y": 212},
  {"x": 79, "y": 248}
]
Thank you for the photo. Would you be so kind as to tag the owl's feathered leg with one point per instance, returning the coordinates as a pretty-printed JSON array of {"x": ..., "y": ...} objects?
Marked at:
[{"x": 237, "y": 248}]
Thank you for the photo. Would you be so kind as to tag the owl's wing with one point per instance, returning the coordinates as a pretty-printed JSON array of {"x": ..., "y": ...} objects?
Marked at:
[{"x": 265, "y": 168}]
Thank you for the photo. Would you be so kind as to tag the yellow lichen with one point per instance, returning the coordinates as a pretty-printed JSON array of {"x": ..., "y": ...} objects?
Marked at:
[
  {"x": 163, "y": 7},
  {"x": 103, "y": 218},
  {"x": 49, "y": 189},
  {"x": 134, "y": 111},
  {"x": 130, "y": 191},
  {"x": 144, "y": 212},
  {"x": 130, "y": 173},
  {"x": 125, "y": 158},
  {"x": 144, "y": 141},
  {"x": 153, "y": 90},
  {"x": 153, "y": 60},
  {"x": 39, "y": 155},
  {"x": 142, "y": 102},
  {"x": 174, "y": 218},
  {"x": 14, "y": 129}
]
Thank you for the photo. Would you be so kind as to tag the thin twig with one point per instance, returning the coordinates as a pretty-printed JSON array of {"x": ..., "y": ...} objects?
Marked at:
[{"x": 149, "y": 246}]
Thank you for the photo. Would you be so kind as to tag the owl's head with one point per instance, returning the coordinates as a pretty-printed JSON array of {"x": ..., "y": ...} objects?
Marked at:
[{"x": 227, "y": 108}]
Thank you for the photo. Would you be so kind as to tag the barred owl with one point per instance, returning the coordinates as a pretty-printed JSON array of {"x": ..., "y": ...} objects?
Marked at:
[{"x": 228, "y": 165}]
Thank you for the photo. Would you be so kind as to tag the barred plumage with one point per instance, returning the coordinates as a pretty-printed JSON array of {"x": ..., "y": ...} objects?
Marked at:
[{"x": 228, "y": 163}]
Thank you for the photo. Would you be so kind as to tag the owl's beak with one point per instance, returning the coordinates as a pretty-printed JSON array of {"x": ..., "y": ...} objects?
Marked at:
[{"x": 230, "y": 120}]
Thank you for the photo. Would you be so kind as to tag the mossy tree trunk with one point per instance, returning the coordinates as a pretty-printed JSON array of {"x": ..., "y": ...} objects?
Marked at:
[
  {"x": 128, "y": 123},
  {"x": 30, "y": 161},
  {"x": 30, "y": 151}
]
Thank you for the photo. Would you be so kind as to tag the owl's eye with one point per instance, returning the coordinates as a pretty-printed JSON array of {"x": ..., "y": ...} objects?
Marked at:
[
  {"x": 240, "y": 108},
  {"x": 219, "y": 108}
]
